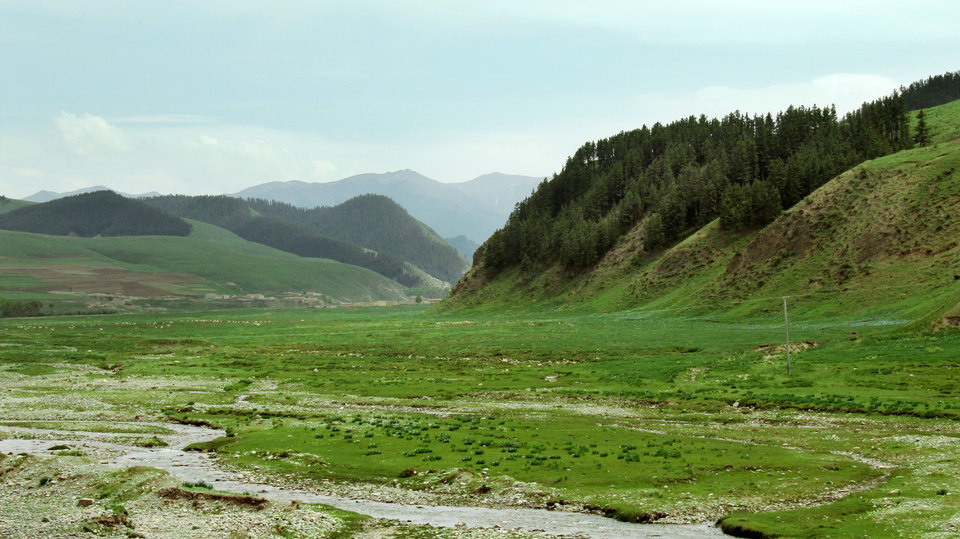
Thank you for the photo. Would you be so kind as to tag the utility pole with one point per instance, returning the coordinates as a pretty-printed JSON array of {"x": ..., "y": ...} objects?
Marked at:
[{"x": 786, "y": 327}]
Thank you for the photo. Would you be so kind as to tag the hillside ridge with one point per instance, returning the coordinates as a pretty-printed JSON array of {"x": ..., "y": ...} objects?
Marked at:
[
  {"x": 372, "y": 232},
  {"x": 854, "y": 241},
  {"x": 100, "y": 213}
]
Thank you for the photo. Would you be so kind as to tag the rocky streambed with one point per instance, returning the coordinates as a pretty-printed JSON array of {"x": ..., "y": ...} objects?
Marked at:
[{"x": 117, "y": 450}]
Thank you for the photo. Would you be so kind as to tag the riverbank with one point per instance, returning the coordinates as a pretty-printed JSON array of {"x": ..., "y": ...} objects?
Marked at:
[{"x": 111, "y": 451}]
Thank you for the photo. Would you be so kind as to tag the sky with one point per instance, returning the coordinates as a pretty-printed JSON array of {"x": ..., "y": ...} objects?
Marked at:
[{"x": 209, "y": 97}]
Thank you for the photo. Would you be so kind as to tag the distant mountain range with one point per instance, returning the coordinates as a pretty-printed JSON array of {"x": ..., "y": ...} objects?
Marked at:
[
  {"x": 473, "y": 209},
  {"x": 47, "y": 196}
]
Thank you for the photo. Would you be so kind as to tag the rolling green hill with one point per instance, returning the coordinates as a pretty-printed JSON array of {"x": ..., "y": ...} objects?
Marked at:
[
  {"x": 209, "y": 260},
  {"x": 878, "y": 241},
  {"x": 372, "y": 232},
  {"x": 10, "y": 204},
  {"x": 101, "y": 213}
]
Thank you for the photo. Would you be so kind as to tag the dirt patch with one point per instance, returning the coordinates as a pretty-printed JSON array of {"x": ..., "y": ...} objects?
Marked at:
[
  {"x": 109, "y": 521},
  {"x": 947, "y": 322},
  {"x": 874, "y": 243},
  {"x": 780, "y": 348},
  {"x": 176, "y": 493},
  {"x": 789, "y": 238},
  {"x": 91, "y": 279},
  {"x": 683, "y": 259}
]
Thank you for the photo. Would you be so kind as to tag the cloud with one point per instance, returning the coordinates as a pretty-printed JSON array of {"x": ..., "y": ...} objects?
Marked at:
[{"x": 86, "y": 134}]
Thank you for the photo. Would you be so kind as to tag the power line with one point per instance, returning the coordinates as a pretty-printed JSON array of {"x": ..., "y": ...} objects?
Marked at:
[{"x": 786, "y": 327}]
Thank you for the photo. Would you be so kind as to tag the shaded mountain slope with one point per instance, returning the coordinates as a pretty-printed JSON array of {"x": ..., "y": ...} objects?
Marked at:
[
  {"x": 378, "y": 223},
  {"x": 102, "y": 213},
  {"x": 311, "y": 233},
  {"x": 238, "y": 217}
]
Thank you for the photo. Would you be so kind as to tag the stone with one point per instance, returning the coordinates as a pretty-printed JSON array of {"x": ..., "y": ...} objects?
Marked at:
[{"x": 84, "y": 502}]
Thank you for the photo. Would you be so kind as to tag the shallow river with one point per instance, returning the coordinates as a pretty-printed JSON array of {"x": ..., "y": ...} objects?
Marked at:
[{"x": 193, "y": 466}]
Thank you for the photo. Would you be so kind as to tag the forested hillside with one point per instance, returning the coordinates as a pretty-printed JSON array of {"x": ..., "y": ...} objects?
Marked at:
[
  {"x": 623, "y": 202},
  {"x": 674, "y": 179},
  {"x": 102, "y": 213},
  {"x": 378, "y": 223},
  {"x": 933, "y": 91}
]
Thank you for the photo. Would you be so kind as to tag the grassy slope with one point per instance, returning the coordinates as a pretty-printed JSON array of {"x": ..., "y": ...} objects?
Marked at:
[
  {"x": 11, "y": 204},
  {"x": 202, "y": 262},
  {"x": 876, "y": 242}
]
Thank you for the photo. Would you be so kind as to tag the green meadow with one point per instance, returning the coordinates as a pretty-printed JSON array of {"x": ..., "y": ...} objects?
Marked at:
[
  {"x": 209, "y": 260},
  {"x": 666, "y": 415}
]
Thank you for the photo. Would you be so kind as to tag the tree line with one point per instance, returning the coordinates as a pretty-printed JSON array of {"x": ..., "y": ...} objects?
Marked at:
[
  {"x": 673, "y": 179},
  {"x": 933, "y": 91},
  {"x": 14, "y": 308}
]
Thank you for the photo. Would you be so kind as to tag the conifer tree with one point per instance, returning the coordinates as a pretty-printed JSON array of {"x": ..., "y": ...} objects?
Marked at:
[{"x": 921, "y": 136}]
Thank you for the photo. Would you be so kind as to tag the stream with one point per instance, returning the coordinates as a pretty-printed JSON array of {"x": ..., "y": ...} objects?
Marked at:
[{"x": 195, "y": 466}]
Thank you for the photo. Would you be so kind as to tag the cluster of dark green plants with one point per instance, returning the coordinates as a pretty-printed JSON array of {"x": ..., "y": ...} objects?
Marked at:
[
  {"x": 678, "y": 177},
  {"x": 102, "y": 213},
  {"x": 424, "y": 452},
  {"x": 15, "y": 308}
]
